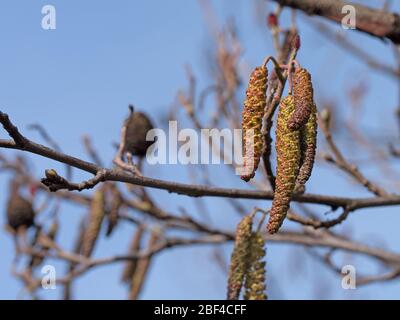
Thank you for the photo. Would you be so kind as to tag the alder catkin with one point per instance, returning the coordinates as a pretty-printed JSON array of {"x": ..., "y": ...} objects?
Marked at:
[
  {"x": 96, "y": 216},
  {"x": 130, "y": 265},
  {"x": 255, "y": 276},
  {"x": 288, "y": 162},
  {"x": 142, "y": 266},
  {"x": 303, "y": 95},
  {"x": 253, "y": 113},
  {"x": 239, "y": 259},
  {"x": 308, "y": 148}
]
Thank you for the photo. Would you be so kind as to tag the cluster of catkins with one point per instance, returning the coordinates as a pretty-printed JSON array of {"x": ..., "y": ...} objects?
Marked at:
[
  {"x": 296, "y": 134},
  {"x": 247, "y": 267}
]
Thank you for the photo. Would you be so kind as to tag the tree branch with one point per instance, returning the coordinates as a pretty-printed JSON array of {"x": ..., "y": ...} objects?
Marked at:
[
  {"x": 181, "y": 188},
  {"x": 375, "y": 22}
]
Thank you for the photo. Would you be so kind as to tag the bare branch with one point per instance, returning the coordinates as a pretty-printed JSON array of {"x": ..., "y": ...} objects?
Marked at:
[
  {"x": 188, "y": 189},
  {"x": 91, "y": 151},
  {"x": 375, "y": 22},
  {"x": 55, "y": 182},
  {"x": 343, "y": 164}
]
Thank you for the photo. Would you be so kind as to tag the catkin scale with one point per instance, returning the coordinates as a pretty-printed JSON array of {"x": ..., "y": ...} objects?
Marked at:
[
  {"x": 303, "y": 95},
  {"x": 253, "y": 113},
  {"x": 308, "y": 148},
  {"x": 288, "y": 163},
  {"x": 96, "y": 216}
]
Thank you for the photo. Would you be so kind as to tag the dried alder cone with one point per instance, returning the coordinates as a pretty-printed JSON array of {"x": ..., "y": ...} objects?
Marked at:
[
  {"x": 303, "y": 95},
  {"x": 20, "y": 213},
  {"x": 137, "y": 125},
  {"x": 288, "y": 162},
  {"x": 253, "y": 112}
]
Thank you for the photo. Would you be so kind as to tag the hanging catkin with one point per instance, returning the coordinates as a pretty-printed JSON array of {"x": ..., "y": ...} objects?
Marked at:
[
  {"x": 130, "y": 265},
  {"x": 96, "y": 216},
  {"x": 239, "y": 258},
  {"x": 303, "y": 98},
  {"x": 288, "y": 163},
  {"x": 253, "y": 113},
  {"x": 308, "y": 148},
  {"x": 255, "y": 275},
  {"x": 142, "y": 267}
]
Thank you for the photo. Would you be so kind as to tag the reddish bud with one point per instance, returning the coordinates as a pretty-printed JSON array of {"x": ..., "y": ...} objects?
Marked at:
[
  {"x": 272, "y": 20},
  {"x": 296, "y": 42}
]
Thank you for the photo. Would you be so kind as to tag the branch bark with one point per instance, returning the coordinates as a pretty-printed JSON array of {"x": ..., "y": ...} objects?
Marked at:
[{"x": 375, "y": 22}]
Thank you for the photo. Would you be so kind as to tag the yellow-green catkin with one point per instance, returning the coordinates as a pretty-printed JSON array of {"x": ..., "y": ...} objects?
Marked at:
[
  {"x": 96, "y": 216},
  {"x": 308, "y": 149},
  {"x": 288, "y": 162},
  {"x": 303, "y": 95},
  {"x": 253, "y": 112},
  {"x": 255, "y": 287},
  {"x": 239, "y": 258}
]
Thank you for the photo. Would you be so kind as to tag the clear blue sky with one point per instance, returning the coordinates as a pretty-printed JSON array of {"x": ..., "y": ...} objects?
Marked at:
[{"x": 79, "y": 79}]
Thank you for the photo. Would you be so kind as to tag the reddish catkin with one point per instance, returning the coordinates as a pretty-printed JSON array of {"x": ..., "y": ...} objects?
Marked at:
[
  {"x": 288, "y": 162},
  {"x": 253, "y": 113},
  {"x": 308, "y": 147},
  {"x": 303, "y": 95}
]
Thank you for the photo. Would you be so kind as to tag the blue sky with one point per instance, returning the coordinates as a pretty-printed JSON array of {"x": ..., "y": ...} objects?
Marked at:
[{"x": 80, "y": 78}]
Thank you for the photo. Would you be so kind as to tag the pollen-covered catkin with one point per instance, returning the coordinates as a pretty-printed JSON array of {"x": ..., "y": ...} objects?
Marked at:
[
  {"x": 288, "y": 162},
  {"x": 308, "y": 147},
  {"x": 303, "y": 95},
  {"x": 255, "y": 276},
  {"x": 253, "y": 113},
  {"x": 239, "y": 258},
  {"x": 96, "y": 216}
]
